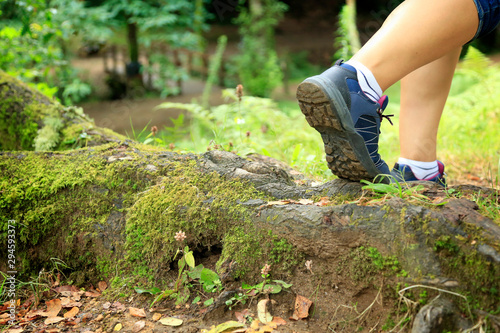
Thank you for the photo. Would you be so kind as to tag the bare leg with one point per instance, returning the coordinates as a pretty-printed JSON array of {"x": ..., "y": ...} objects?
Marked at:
[
  {"x": 415, "y": 34},
  {"x": 423, "y": 95}
]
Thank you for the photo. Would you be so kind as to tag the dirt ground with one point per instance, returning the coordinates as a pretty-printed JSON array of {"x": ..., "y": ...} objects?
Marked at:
[{"x": 340, "y": 303}]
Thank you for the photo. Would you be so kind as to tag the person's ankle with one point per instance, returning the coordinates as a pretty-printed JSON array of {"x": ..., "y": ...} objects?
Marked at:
[{"x": 421, "y": 170}]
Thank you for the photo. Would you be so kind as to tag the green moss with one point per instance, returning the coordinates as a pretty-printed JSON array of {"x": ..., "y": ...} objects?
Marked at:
[
  {"x": 80, "y": 194},
  {"x": 29, "y": 120},
  {"x": 364, "y": 264},
  {"x": 479, "y": 279},
  {"x": 248, "y": 246},
  {"x": 203, "y": 205}
]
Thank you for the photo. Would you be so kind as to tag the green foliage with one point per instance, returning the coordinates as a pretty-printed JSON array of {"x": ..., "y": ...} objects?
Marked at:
[
  {"x": 44, "y": 28},
  {"x": 213, "y": 70},
  {"x": 157, "y": 23},
  {"x": 254, "y": 125},
  {"x": 347, "y": 40},
  {"x": 258, "y": 65}
]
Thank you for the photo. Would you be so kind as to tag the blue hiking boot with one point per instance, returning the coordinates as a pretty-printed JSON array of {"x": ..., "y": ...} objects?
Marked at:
[
  {"x": 403, "y": 173},
  {"x": 348, "y": 121}
]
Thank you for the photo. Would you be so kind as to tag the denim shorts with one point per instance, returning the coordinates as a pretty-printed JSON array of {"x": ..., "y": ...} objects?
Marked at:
[{"x": 489, "y": 16}]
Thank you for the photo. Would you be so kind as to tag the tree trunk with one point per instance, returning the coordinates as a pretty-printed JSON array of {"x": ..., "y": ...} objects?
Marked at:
[
  {"x": 111, "y": 211},
  {"x": 134, "y": 66}
]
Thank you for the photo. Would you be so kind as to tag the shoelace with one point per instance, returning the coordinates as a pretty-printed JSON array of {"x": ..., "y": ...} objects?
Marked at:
[{"x": 386, "y": 116}]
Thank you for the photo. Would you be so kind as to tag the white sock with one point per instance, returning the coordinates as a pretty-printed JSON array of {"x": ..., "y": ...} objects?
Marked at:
[
  {"x": 421, "y": 170},
  {"x": 367, "y": 81}
]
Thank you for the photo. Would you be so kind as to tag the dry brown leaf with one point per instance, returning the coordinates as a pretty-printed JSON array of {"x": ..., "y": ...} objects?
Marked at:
[
  {"x": 72, "y": 305},
  {"x": 118, "y": 305},
  {"x": 65, "y": 288},
  {"x": 53, "y": 308},
  {"x": 156, "y": 316},
  {"x": 323, "y": 201},
  {"x": 255, "y": 324},
  {"x": 75, "y": 295},
  {"x": 73, "y": 322},
  {"x": 102, "y": 285},
  {"x": 305, "y": 202},
  {"x": 301, "y": 308},
  {"x": 99, "y": 318},
  {"x": 72, "y": 313},
  {"x": 138, "y": 326},
  {"x": 136, "y": 312},
  {"x": 266, "y": 329},
  {"x": 92, "y": 294},
  {"x": 15, "y": 330},
  {"x": 279, "y": 321},
  {"x": 53, "y": 330},
  {"x": 65, "y": 301},
  {"x": 53, "y": 320}
]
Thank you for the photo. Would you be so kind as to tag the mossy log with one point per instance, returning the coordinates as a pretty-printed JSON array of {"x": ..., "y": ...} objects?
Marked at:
[
  {"x": 111, "y": 211},
  {"x": 31, "y": 121}
]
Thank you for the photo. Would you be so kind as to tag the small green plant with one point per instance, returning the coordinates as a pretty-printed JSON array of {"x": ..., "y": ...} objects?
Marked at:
[
  {"x": 187, "y": 275},
  {"x": 396, "y": 189},
  {"x": 267, "y": 286}
]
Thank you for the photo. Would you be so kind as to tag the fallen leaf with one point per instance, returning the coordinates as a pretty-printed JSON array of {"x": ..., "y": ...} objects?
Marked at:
[
  {"x": 65, "y": 288},
  {"x": 75, "y": 295},
  {"x": 323, "y": 201},
  {"x": 135, "y": 312},
  {"x": 255, "y": 324},
  {"x": 15, "y": 330},
  {"x": 305, "y": 202},
  {"x": 72, "y": 313},
  {"x": 118, "y": 327},
  {"x": 266, "y": 329},
  {"x": 99, "y": 318},
  {"x": 34, "y": 313},
  {"x": 86, "y": 317},
  {"x": 225, "y": 327},
  {"x": 262, "y": 313},
  {"x": 138, "y": 326},
  {"x": 53, "y": 330},
  {"x": 170, "y": 321},
  {"x": 53, "y": 320},
  {"x": 72, "y": 305},
  {"x": 73, "y": 322},
  {"x": 156, "y": 316},
  {"x": 53, "y": 308},
  {"x": 118, "y": 305},
  {"x": 92, "y": 294},
  {"x": 102, "y": 285},
  {"x": 106, "y": 305},
  {"x": 279, "y": 321},
  {"x": 301, "y": 308}
]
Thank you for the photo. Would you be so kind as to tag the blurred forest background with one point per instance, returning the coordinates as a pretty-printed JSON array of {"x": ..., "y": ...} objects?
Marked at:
[{"x": 164, "y": 72}]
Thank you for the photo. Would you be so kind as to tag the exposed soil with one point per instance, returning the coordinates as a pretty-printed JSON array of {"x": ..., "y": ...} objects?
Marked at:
[{"x": 338, "y": 299}]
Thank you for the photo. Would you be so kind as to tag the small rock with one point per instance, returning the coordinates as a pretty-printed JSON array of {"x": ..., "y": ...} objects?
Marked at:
[
  {"x": 138, "y": 326},
  {"x": 99, "y": 318},
  {"x": 156, "y": 316}
]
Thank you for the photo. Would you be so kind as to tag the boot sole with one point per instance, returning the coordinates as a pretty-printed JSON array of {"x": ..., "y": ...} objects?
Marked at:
[{"x": 326, "y": 111}]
